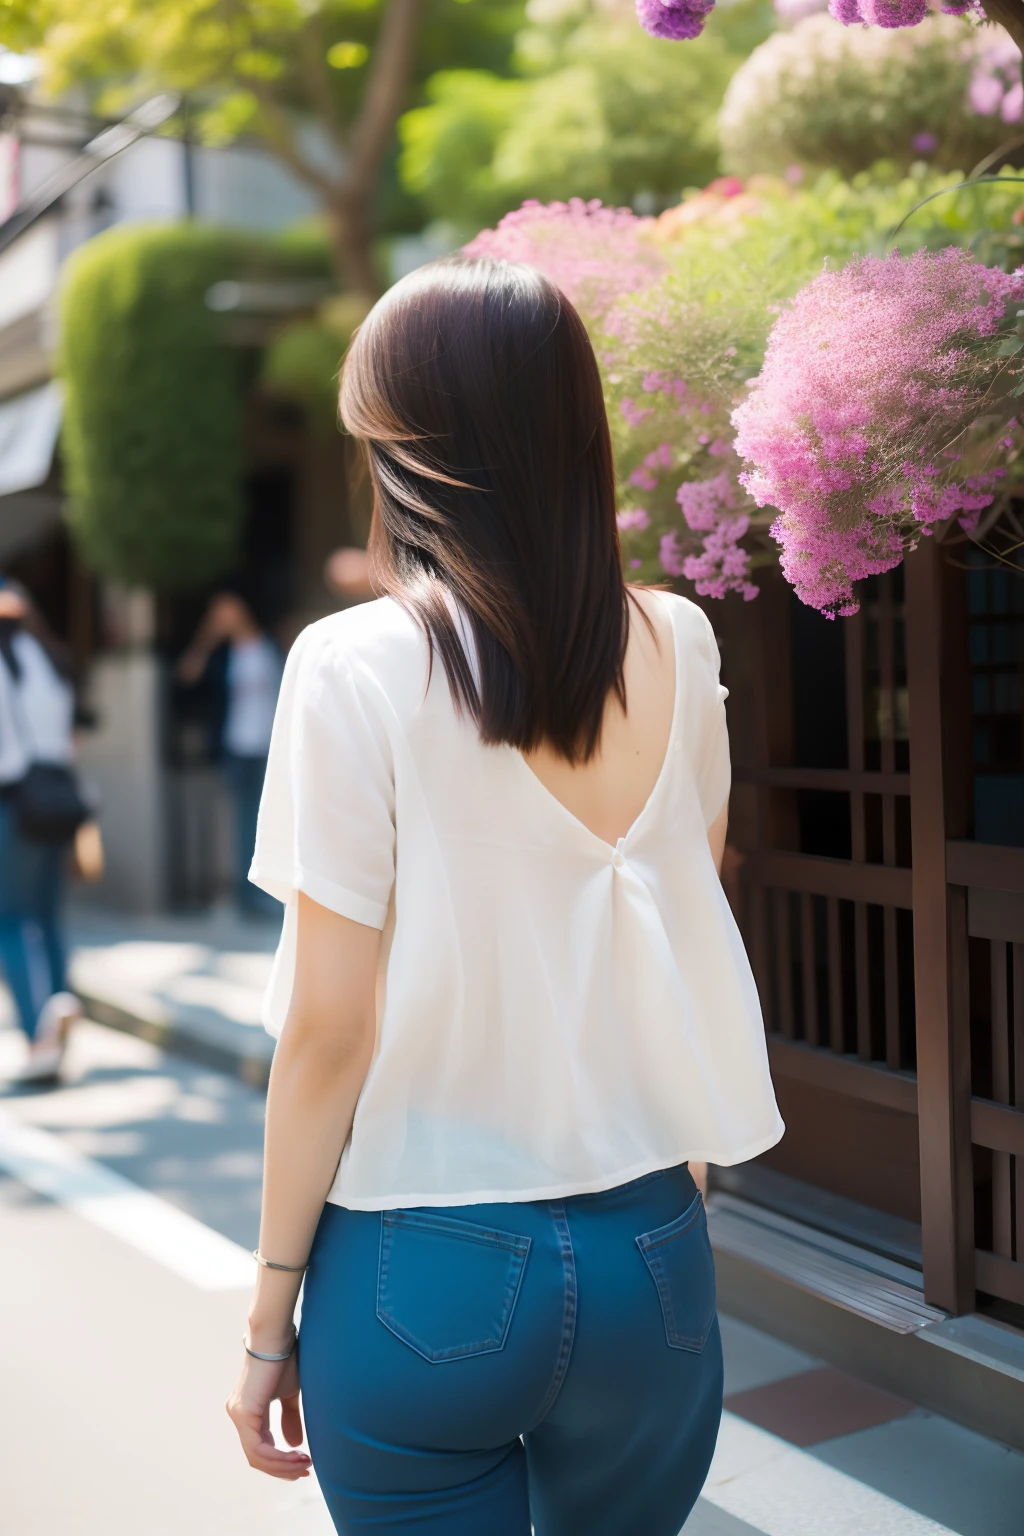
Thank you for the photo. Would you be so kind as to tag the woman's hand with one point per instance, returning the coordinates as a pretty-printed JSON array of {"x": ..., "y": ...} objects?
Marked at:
[
  {"x": 248, "y": 1408},
  {"x": 320, "y": 1065}
]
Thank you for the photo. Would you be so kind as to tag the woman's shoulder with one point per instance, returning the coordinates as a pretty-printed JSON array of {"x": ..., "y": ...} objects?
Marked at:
[
  {"x": 376, "y": 642},
  {"x": 372, "y": 632},
  {"x": 690, "y": 624}
]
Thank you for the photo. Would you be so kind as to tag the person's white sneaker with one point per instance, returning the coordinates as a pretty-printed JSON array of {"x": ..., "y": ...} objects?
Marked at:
[
  {"x": 46, "y": 1052},
  {"x": 42, "y": 1066}
]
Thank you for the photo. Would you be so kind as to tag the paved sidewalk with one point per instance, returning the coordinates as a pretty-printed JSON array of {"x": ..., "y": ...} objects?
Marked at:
[
  {"x": 806, "y": 1450},
  {"x": 192, "y": 984}
]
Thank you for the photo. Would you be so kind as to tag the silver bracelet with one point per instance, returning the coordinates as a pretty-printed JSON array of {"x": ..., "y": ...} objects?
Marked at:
[
  {"x": 275, "y": 1359},
  {"x": 289, "y": 1269}
]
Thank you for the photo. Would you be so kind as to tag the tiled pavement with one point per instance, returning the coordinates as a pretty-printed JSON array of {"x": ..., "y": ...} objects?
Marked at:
[{"x": 806, "y": 1450}]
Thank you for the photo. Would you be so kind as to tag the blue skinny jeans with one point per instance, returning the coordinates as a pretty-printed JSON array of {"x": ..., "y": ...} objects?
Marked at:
[
  {"x": 31, "y": 944},
  {"x": 469, "y": 1370}
]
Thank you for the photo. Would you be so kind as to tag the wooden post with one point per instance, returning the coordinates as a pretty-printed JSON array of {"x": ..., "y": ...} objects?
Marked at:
[{"x": 943, "y": 1037}]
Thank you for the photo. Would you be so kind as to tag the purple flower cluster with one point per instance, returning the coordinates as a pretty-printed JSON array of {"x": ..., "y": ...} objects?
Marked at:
[
  {"x": 846, "y": 11},
  {"x": 679, "y": 19},
  {"x": 592, "y": 253},
  {"x": 894, "y": 13},
  {"x": 879, "y": 13},
  {"x": 856, "y": 426},
  {"x": 676, "y": 20},
  {"x": 709, "y": 508},
  {"x": 702, "y": 502}
]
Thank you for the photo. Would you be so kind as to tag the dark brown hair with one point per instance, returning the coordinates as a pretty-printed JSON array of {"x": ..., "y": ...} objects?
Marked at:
[{"x": 475, "y": 391}]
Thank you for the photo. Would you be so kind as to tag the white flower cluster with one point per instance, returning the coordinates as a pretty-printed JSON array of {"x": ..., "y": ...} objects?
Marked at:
[{"x": 820, "y": 94}]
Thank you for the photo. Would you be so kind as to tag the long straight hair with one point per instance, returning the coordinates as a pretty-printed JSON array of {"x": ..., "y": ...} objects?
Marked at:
[{"x": 474, "y": 389}]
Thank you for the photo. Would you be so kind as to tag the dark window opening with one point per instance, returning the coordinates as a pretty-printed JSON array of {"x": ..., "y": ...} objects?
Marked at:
[{"x": 995, "y": 646}]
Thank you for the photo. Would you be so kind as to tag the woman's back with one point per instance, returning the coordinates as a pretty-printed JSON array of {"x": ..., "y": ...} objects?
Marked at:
[
  {"x": 563, "y": 999},
  {"x": 608, "y": 793}
]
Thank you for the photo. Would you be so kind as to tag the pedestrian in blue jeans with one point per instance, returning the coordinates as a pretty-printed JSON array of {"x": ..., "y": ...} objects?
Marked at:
[
  {"x": 251, "y": 675},
  {"x": 511, "y": 998},
  {"x": 36, "y": 720}
]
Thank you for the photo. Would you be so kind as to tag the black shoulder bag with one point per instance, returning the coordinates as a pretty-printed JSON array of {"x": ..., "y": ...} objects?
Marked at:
[{"x": 47, "y": 803}]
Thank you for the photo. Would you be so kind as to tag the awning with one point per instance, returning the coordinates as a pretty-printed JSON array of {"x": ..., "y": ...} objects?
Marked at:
[{"x": 29, "y": 425}]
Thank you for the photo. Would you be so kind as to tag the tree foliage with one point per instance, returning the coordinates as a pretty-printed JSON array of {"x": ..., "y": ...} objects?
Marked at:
[
  {"x": 154, "y": 397},
  {"x": 321, "y": 82},
  {"x": 600, "y": 110}
]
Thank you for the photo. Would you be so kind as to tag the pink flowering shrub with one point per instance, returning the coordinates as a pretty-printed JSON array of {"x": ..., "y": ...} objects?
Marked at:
[
  {"x": 722, "y": 564},
  {"x": 592, "y": 253},
  {"x": 688, "y": 516},
  {"x": 867, "y": 422},
  {"x": 671, "y": 378}
]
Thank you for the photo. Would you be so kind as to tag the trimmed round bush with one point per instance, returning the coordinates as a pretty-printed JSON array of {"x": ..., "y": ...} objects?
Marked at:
[
  {"x": 824, "y": 95},
  {"x": 154, "y": 383}
]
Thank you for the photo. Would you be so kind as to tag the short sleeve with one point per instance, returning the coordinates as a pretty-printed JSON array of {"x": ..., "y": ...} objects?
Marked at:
[
  {"x": 712, "y": 764},
  {"x": 327, "y": 816}
]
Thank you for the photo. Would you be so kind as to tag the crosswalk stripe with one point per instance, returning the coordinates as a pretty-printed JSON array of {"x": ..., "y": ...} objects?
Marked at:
[
  {"x": 783, "y": 1491},
  {"x": 50, "y": 1167}
]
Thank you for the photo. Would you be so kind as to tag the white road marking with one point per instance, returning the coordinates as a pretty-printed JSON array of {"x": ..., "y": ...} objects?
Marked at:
[
  {"x": 161, "y": 1231},
  {"x": 783, "y": 1491}
]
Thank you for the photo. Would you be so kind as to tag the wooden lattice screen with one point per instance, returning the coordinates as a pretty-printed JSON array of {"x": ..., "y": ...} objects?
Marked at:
[{"x": 888, "y": 948}]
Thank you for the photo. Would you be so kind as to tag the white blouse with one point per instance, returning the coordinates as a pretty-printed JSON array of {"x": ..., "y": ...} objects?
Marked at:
[
  {"x": 554, "y": 1015},
  {"x": 36, "y": 712}
]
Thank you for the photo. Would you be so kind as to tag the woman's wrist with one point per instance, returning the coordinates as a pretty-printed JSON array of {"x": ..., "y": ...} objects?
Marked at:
[{"x": 270, "y": 1335}]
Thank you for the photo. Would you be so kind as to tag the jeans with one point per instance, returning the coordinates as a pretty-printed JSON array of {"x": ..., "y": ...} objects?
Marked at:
[
  {"x": 31, "y": 944},
  {"x": 468, "y": 1370},
  {"x": 245, "y": 777}
]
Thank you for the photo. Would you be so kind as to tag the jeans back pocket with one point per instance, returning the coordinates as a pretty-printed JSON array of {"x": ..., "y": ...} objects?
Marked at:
[
  {"x": 447, "y": 1288},
  {"x": 680, "y": 1260}
]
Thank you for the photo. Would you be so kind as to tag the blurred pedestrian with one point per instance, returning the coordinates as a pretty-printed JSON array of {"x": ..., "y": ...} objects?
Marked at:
[
  {"x": 512, "y": 1000},
  {"x": 347, "y": 574},
  {"x": 40, "y": 811},
  {"x": 231, "y": 642}
]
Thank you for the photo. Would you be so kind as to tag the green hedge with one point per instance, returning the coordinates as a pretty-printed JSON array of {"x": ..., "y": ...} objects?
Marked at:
[{"x": 154, "y": 396}]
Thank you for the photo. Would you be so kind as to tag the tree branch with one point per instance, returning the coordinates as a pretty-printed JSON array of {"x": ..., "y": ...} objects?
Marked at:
[
  {"x": 390, "y": 72},
  {"x": 317, "y": 77},
  {"x": 1010, "y": 15},
  {"x": 281, "y": 138}
]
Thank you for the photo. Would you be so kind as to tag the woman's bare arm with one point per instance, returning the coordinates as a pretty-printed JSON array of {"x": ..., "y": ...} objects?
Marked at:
[
  {"x": 319, "y": 1069},
  {"x": 716, "y": 836}
]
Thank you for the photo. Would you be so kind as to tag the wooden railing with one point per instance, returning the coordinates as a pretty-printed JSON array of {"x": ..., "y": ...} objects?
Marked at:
[
  {"x": 987, "y": 914},
  {"x": 888, "y": 976}
]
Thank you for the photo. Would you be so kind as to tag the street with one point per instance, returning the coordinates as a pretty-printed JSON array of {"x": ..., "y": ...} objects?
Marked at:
[
  {"x": 123, "y": 1315},
  {"x": 117, "y": 1368}
]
